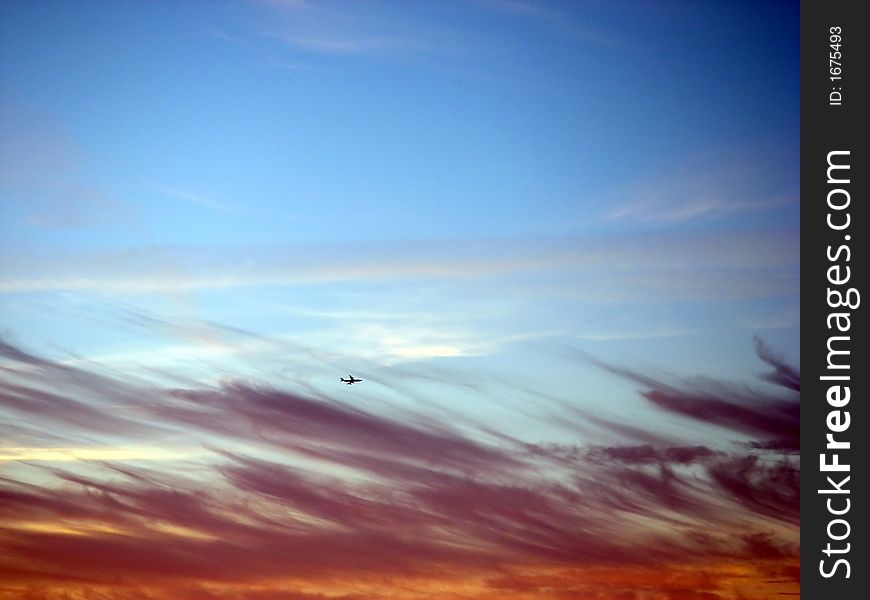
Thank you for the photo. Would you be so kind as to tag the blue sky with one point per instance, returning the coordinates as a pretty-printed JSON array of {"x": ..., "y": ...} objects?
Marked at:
[
  {"x": 435, "y": 120},
  {"x": 405, "y": 182},
  {"x": 455, "y": 176}
]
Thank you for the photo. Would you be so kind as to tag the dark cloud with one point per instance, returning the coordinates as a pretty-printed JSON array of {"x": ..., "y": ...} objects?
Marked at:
[
  {"x": 649, "y": 454},
  {"x": 767, "y": 417},
  {"x": 623, "y": 431},
  {"x": 311, "y": 489},
  {"x": 288, "y": 420},
  {"x": 767, "y": 487},
  {"x": 773, "y": 415},
  {"x": 783, "y": 374},
  {"x": 40, "y": 391}
]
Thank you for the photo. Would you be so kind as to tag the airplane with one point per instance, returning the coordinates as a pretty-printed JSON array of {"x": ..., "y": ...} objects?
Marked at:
[{"x": 350, "y": 381}]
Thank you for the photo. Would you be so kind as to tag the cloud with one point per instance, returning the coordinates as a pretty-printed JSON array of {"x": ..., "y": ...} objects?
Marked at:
[
  {"x": 689, "y": 267},
  {"x": 770, "y": 418},
  {"x": 290, "y": 493},
  {"x": 783, "y": 374},
  {"x": 61, "y": 454},
  {"x": 517, "y": 7},
  {"x": 771, "y": 488},
  {"x": 698, "y": 191},
  {"x": 41, "y": 391},
  {"x": 649, "y": 454},
  {"x": 188, "y": 197},
  {"x": 638, "y": 335},
  {"x": 338, "y": 30},
  {"x": 771, "y": 415},
  {"x": 289, "y": 420},
  {"x": 43, "y": 173},
  {"x": 697, "y": 206},
  {"x": 389, "y": 342},
  {"x": 349, "y": 44}
]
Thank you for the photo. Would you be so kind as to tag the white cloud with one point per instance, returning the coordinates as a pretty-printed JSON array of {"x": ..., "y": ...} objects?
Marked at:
[
  {"x": 687, "y": 263},
  {"x": 189, "y": 197},
  {"x": 116, "y": 453},
  {"x": 697, "y": 191}
]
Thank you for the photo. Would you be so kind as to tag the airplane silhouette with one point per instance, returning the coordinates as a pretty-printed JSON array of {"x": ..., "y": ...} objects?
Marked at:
[{"x": 350, "y": 381}]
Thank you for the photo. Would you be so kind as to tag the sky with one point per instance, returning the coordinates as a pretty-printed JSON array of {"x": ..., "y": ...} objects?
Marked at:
[{"x": 559, "y": 242}]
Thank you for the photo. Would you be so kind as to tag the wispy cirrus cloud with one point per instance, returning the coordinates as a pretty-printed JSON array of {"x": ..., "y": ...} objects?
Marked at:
[
  {"x": 749, "y": 264},
  {"x": 43, "y": 173},
  {"x": 287, "y": 482},
  {"x": 697, "y": 191},
  {"x": 331, "y": 29},
  {"x": 345, "y": 44},
  {"x": 73, "y": 454},
  {"x": 694, "y": 205},
  {"x": 338, "y": 30},
  {"x": 772, "y": 415},
  {"x": 191, "y": 198}
]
